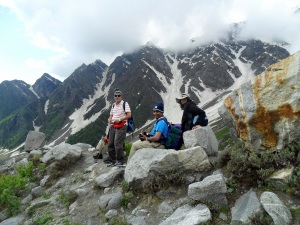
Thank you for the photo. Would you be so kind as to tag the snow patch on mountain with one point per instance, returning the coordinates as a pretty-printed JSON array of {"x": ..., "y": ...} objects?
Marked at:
[
  {"x": 46, "y": 107},
  {"x": 31, "y": 89},
  {"x": 172, "y": 113},
  {"x": 77, "y": 117},
  {"x": 245, "y": 69}
]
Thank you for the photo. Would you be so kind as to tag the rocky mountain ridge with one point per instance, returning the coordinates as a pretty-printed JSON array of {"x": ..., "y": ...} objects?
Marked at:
[
  {"x": 201, "y": 183},
  {"x": 78, "y": 108}
]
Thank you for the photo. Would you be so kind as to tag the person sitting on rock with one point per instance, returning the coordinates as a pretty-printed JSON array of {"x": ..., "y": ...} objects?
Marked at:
[
  {"x": 101, "y": 148},
  {"x": 192, "y": 117},
  {"x": 158, "y": 134}
]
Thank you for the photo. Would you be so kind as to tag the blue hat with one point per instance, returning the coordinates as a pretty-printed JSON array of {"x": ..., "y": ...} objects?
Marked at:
[{"x": 159, "y": 107}]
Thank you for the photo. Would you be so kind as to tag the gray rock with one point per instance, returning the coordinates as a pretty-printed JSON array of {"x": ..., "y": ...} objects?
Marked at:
[
  {"x": 137, "y": 220},
  {"x": 280, "y": 214},
  {"x": 14, "y": 220},
  {"x": 165, "y": 208},
  {"x": 34, "y": 140},
  {"x": 45, "y": 181},
  {"x": 27, "y": 199},
  {"x": 147, "y": 163},
  {"x": 110, "y": 201},
  {"x": 37, "y": 191},
  {"x": 64, "y": 154},
  {"x": 245, "y": 207},
  {"x": 189, "y": 215},
  {"x": 36, "y": 205},
  {"x": 83, "y": 146},
  {"x": 211, "y": 189},
  {"x": 204, "y": 137},
  {"x": 35, "y": 152},
  {"x": 106, "y": 179},
  {"x": 111, "y": 213}
]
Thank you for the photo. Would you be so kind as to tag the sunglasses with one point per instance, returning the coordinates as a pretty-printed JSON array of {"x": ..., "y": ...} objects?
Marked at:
[{"x": 118, "y": 95}]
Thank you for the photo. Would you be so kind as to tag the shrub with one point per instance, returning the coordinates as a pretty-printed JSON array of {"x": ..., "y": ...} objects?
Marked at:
[
  {"x": 45, "y": 219},
  {"x": 10, "y": 187},
  {"x": 156, "y": 182},
  {"x": 125, "y": 201},
  {"x": 127, "y": 147},
  {"x": 125, "y": 186},
  {"x": 67, "y": 198},
  {"x": 119, "y": 220},
  {"x": 246, "y": 165},
  {"x": 25, "y": 171}
]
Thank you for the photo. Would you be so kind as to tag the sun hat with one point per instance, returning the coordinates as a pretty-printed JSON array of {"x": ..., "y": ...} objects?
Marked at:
[
  {"x": 159, "y": 107},
  {"x": 182, "y": 96}
]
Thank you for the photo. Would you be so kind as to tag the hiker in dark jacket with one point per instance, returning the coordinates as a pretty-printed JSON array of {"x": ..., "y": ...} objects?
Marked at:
[{"x": 192, "y": 117}]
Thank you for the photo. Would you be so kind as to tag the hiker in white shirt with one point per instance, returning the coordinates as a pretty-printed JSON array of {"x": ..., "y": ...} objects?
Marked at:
[{"x": 117, "y": 131}]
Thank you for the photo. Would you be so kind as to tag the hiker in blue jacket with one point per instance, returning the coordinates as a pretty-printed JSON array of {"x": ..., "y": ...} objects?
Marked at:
[
  {"x": 158, "y": 134},
  {"x": 192, "y": 117}
]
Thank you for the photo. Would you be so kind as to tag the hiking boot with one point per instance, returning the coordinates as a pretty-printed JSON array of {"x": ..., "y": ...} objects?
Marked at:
[
  {"x": 111, "y": 164},
  {"x": 106, "y": 160},
  {"x": 120, "y": 164},
  {"x": 97, "y": 155}
]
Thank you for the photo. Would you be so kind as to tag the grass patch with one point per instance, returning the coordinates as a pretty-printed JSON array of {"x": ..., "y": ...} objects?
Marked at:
[
  {"x": 67, "y": 198},
  {"x": 221, "y": 133},
  {"x": 45, "y": 219},
  {"x": 127, "y": 147}
]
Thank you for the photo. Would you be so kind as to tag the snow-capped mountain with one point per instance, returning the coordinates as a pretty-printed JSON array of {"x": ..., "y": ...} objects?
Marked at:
[{"x": 79, "y": 107}]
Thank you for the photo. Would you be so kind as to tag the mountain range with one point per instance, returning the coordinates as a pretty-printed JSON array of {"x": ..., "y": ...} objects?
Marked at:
[{"x": 76, "y": 110}]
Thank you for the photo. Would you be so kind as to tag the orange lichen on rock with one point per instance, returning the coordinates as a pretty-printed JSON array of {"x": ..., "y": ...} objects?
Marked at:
[
  {"x": 257, "y": 87},
  {"x": 228, "y": 102},
  {"x": 280, "y": 77},
  {"x": 264, "y": 121},
  {"x": 242, "y": 130},
  {"x": 285, "y": 111}
]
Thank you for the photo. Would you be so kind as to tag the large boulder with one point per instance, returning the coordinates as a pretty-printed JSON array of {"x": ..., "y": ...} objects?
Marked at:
[
  {"x": 34, "y": 140},
  {"x": 211, "y": 189},
  {"x": 204, "y": 137},
  {"x": 264, "y": 112},
  {"x": 63, "y": 153},
  {"x": 148, "y": 163}
]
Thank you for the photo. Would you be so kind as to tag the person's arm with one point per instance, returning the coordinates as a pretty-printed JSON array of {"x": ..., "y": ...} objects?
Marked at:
[
  {"x": 128, "y": 115},
  {"x": 109, "y": 119},
  {"x": 155, "y": 138},
  {"x": 196, "y": 110}
]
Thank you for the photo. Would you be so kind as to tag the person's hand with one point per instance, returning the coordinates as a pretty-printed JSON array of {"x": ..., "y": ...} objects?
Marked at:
[
  {"x": 142, "y": 137},
  {"x": 118, "y": 121},
  {"x": 195, "y": 127}
]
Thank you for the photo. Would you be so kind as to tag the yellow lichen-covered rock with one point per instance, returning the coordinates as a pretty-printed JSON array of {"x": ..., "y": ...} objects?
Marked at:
[{"x": 265, "y": 111}]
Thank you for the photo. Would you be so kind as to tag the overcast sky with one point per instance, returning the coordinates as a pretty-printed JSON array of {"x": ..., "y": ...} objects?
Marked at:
[{"x": 57, "y": 36}]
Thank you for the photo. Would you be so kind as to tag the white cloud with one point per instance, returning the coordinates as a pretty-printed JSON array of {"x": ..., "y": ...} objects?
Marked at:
[
  {"x": 34, "y": 63},
  {"x": 77, "y": 32}
]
